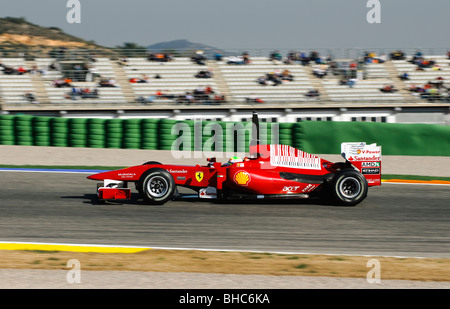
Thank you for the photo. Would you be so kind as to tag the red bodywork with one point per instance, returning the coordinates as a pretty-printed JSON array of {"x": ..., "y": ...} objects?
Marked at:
[{"x": 277, "y": 170}]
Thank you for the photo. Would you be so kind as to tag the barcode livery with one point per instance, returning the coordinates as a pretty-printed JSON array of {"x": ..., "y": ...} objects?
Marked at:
[{"x": 287, "y": 156}]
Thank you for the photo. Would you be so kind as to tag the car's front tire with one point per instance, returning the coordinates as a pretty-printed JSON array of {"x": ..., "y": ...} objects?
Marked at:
[
  {"x": 156, "y": 186},
  {"x": 349, "y": 187}
]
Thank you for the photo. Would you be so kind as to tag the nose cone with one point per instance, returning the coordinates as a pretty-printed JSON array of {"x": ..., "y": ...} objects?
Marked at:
[
  {"x": 99, "y": 176},
  {"x": 126, "y": 174}
]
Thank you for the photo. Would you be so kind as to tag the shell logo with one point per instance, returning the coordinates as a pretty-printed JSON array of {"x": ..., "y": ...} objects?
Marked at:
[{"x": 242, "y": 178}]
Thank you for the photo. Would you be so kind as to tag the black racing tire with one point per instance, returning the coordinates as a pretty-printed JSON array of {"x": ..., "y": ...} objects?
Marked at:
[
  {"x": 349, "y": 187},
  {"x": 156, "y": 186}
]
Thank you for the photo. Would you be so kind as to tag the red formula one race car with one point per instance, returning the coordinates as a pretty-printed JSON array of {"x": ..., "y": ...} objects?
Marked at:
[{"x": 270, "y": 172}]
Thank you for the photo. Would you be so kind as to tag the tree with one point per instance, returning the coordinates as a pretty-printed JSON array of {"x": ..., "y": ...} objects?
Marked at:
[{"x": 131, "y": 50}]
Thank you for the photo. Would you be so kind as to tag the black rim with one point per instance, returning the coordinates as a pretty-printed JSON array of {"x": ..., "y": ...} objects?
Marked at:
[
  {"x": 350, "y": 187},
  {"x": 157, "y": 186}
]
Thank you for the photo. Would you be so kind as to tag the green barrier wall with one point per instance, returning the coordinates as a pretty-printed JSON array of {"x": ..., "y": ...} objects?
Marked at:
[
  {"x": 311, "y": 136},
  {"x": 395, "y": 139}
]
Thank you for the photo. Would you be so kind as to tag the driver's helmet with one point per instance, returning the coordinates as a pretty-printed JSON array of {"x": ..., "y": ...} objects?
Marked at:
[{"x": 235, "y": 160}]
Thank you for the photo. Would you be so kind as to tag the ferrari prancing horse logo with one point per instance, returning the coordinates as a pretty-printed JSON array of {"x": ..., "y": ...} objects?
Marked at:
[{"x": 199, "y": 176}]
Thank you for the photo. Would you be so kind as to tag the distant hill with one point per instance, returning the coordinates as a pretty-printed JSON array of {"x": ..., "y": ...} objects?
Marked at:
[
  {"x": 18, "y": 33},
  {"x": 185, "y": 47}
]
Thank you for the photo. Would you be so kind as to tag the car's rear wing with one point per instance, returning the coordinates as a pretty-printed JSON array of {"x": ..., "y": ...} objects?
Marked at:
[{"x": 366, "y": 158}]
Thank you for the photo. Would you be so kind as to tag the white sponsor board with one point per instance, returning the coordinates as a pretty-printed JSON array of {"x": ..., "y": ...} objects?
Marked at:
[{"x": 361, "y": 151}]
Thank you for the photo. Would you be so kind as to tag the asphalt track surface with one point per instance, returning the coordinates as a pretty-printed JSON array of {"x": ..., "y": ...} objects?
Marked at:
[{"x": 395, "y": 220}]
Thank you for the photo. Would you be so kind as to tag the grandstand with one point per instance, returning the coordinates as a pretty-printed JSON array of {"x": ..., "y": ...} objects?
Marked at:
[{"x": 142, "y": 83}]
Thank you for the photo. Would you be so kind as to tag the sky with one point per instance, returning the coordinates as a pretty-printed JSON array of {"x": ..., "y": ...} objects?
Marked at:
[{"x": 247, "y": 24}]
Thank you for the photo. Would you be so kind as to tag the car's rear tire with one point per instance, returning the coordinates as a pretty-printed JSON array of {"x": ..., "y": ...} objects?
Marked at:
[
  {"x": 349, "y": 187},
  {"x": 156, "y": 186}
]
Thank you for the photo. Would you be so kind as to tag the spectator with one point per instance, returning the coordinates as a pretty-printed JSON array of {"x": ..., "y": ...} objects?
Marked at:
[
  {"x": 343, "y": 82},
  {"x": 287, "y": 76},
  {"x": 262, "y": 80},
  {"x": 351, "y": 82},
  {"x": 204, "y": 74},
  {"x": 53, "y": 66},
  {"x": 189, "y": 98},
  {"x": 107, "y": 83},
  {"x": 61, "y": 83},
  {"x": 397, "y": 55},
  {"x": 235, "y": 60},
  {"x": 218, "y": 56},
  {"x": 199, "y": 58},
  {"x": 274, "y": 78},
  {"x": 313, "y": 93},
  {"x": 159, "y": 57},
  {"x": 219, "y": 99},
  {"x": 254, "y": 99},
  {"x": 246, "y": 58},
  {"x": 438, "y": 82},
  {"x": 31, "y": 98},
  {"x": 123, "y": 61},
  {"x": 21, "y": 71},
  {"x": 88, "y": 94},
  {"x": 275, "y": 57},
  {"x": 304, "y": 58},
  {"x": 9, "y": 71},
  {"x": 320, "y": 71},
  {"x": 404, "y": 76},
  {"x": 388, "y": 89},
  {"x": 314, "y": 57},
  {"x": 164, "y": 95},
  {"x": 142, "y": 80},
  {"x": 208, "y": 90},
  {"x": 146, "y": 100}
]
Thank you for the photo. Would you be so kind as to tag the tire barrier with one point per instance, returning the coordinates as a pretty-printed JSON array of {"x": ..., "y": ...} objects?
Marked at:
[
  {"x": 96, "y": 133},
  {"x": 320, "y": 137},
  {"x": 7, "y": 134},
  {"x": 41, "y": 131},
  {"x": 23, "y": 128},
  {"x": 113, "y": 133},
  {"x": 131, "y": 134},
  {"x": 59, "y": 132},
  {"x": 78, "y": 132}
]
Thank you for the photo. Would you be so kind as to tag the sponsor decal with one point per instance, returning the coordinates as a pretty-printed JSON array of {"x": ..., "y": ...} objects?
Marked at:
[
  {"x": 309, "y": 188},
  {"x": 242, "y": 178},
  {"x": 199, "y": 176},
  {"x": 357, "y": 159},
  {"x": 370, "y": 171},
  {"x": 361, "y": 151},
  {"x": 126, "y": 175},
  {"x": 290, "y": 188},
  {"x": 181, "y": 178},
  {"x": 177, "y": 171},
  {"x": 370, "y": 164}
]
